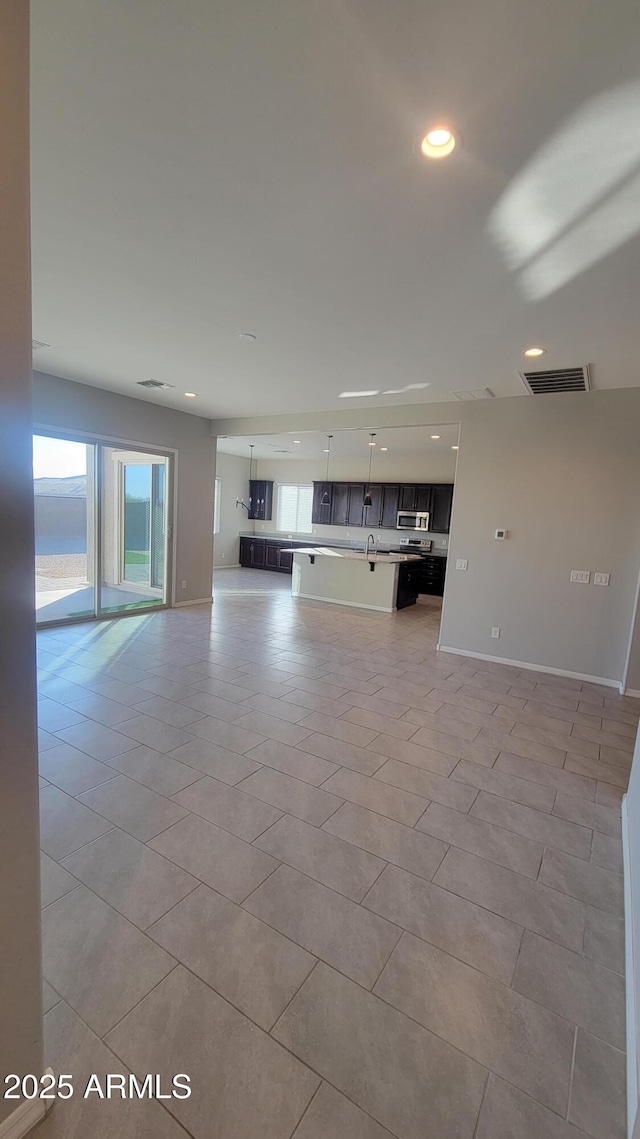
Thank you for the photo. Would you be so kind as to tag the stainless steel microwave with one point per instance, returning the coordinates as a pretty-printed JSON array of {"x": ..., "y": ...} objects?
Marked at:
[{"x": 413, "y": 520}]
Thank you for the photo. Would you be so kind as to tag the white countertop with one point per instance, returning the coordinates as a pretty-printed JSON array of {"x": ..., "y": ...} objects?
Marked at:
[{"x": 356, "y": 555}]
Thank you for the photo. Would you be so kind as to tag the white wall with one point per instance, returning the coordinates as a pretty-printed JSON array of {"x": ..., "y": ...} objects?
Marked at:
[
  {"x": 561, "y": 473},
  {"x": 20, "y": 972},
  {"x": 66, "y": 406},
  {"x": 233, "y": 471}
]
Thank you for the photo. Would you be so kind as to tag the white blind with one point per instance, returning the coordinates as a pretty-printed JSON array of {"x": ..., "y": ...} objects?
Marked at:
[
  {"x": 216, "y": 506},
  {"x": 294, "y": 508}
]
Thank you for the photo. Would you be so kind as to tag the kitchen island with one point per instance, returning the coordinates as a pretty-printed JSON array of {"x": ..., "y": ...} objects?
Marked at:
[{"x": 381, "y": 581}]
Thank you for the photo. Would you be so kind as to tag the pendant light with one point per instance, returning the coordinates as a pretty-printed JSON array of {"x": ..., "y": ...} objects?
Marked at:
[
  {"x": 251, "y": 446},
  {"x": 326, "y": 497},
  {"x": 367, "y": 498}
]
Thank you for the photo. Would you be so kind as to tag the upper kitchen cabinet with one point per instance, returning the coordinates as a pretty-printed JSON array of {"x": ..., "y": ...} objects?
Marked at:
[
  {"x": 441, "y": 503},
  {"x": 339, "y": 504},
  {"x": 390, "y": 506},
  {"x": 347, "y": 504},
  {"x": 321, "y": 511},
  {"x": 371, "y": 515},
  {"x": 260, "y": 499},
  {"x": 415, "y": 496},
  {"x": 356, "y": 509}
]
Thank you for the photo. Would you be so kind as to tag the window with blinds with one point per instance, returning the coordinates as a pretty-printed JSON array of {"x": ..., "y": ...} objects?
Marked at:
[
  {"x": 294, "y": 508},
  {"x": 216, "y": 506}
]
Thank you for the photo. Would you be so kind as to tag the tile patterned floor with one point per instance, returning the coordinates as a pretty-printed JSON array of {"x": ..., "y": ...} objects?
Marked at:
[{"x": 353, "y": 887}]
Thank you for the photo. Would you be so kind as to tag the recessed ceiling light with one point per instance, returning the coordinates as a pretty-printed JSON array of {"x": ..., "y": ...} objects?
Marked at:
[
  {"x": 297, "y": 440},
  {"x": 438, "y": 142},
  {"x": 435, "y": 436},
  {"x": 454, "y": 447},
  {"x": 326, "y": 450},
  {"x": 384, "y": 448},
  {"x": 246, "y": 336},
  {"x": 356, "y": 395},
  {"x": 534, "y": 352},
  {"x": 372, "y": 444},
  {"x": 190, "y": 395}
]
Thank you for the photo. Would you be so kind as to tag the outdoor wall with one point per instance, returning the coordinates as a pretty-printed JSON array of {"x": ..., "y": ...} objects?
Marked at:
[
  {"x": 20, "y": 974},
  {"x": 66, "y": 406},
  {"x": 233, "y": 471},
  {"x": 561, "y": 473}
]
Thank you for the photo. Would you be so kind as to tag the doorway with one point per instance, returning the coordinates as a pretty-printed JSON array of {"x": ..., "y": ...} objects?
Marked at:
[{"x": 102, "y": 528}]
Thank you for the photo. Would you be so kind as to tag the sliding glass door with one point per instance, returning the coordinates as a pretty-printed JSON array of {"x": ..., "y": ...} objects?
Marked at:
[
  {"x": 64, "y": 510},
  {"x": 101, "y": 528},
  {"x": 134, "y": 530}
]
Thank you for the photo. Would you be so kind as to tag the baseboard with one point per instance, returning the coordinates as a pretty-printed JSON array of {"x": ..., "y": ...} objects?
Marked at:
[
  {"x": 236, "y": 565},
  {"x": 533, "y": 667},
  {"x": 630, "y": 980},
  {"x": 633, "y": 692},
  {"x": 180, "y": 605},
  {"x": 26, "y": 1116},
  {"x": 335, "y": 601}
]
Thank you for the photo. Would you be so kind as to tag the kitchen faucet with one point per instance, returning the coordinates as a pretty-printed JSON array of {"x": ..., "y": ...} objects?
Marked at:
[{"x": 370, "y": 538}]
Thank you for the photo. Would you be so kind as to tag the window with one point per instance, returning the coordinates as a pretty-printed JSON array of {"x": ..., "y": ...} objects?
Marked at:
[
  {"x": 294, "y": 508},
  {"x": 216, "y": 506}
]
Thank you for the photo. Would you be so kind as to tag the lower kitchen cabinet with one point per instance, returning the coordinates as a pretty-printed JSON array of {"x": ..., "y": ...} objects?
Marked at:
[
  {"x": 432, "y": 573},
  {"x": 409, "y": 578},
  {"x": 267, "y": 553}
]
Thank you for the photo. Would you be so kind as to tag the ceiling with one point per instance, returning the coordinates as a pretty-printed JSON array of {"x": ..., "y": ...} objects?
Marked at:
[
  {"x": 405, "y": 442},
  {"x": 212, "y": 168}
]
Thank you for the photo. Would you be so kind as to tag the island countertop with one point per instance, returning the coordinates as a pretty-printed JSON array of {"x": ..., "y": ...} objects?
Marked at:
[
  {"x": 357, "y": 555},
  {"x": 385, "y": 582}
]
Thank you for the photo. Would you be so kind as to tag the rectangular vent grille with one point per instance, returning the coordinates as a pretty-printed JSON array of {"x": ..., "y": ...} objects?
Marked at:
[
  {"x": 476, "y": 393},
  {"x": 557, "y": 380},
  {"x": 155, "y": 385},
  {"x": 39, "y": 344}
]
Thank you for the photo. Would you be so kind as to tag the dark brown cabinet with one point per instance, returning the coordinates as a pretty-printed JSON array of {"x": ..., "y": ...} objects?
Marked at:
[
  {"x": 347, "y": 504},
  {"x": 441, "y": 503},
  {"x": 340, "y": 504},
  {"x": 260, "y": 499},
  {"x": 321, "y": 511},
  {"x": 390, "y": 506},
  {"x": 356, "y": 496},
  {"x": 371, "y": 515},
  {"x": 423, "y": 498},
  {"x": 271, "y": 553},
  {"x": 432, "y": 571},
  {"x": 407, "y": 498}
]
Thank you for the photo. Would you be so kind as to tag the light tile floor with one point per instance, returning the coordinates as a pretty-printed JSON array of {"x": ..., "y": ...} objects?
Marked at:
[{"x": 353, "y": 887}]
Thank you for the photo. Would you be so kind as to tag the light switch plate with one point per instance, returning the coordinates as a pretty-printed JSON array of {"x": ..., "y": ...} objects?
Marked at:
[
  {"x": 580, "y": 577},
  {"x": 601, "y": 579},
  {"x": 461, "y": 563}
]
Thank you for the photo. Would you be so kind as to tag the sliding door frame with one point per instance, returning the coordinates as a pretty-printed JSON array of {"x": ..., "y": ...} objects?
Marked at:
[{"x": 99, "y": 442}]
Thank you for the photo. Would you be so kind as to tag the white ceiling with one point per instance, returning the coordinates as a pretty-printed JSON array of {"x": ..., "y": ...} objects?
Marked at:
[
  {"x": 405, "y": 442},
  {"x": 207, "y": 168}
]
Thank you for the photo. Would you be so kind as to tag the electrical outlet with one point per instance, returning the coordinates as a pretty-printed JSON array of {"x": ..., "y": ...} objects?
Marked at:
[
  {"x": 495, "y": 632},
  {"x": 183, "y": 583},
  {"x": 444, "y": 542},
  {"x": 601, "y": 579},
  {"x": 580, "y": 577},
  {"x": 223, "y": 556},
  {"x": 379, "y": 537},
  {"x": 461, "y": 563}
]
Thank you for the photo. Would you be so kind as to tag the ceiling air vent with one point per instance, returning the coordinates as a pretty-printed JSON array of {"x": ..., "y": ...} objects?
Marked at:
[
  {"x": 477, "y": 393},
  {"x": 155, "y": 385},
  {"x": 39, "y": 344},
  {"x": 557, "y": 380}
]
